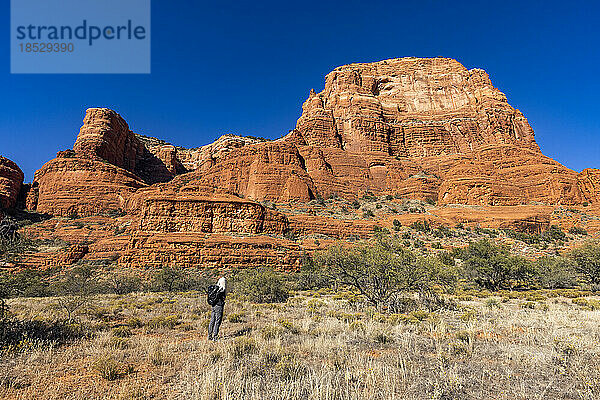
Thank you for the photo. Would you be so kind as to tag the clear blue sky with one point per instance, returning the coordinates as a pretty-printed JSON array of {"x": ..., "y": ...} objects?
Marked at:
[{"x": 246, "y": 68}]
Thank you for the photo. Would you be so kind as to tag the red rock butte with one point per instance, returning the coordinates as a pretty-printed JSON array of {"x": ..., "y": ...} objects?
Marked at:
[{"x": 415, "y": 128}]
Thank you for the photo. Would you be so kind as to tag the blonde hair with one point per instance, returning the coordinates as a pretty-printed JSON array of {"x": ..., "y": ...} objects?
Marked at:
[{"x": 222, "y": 284}]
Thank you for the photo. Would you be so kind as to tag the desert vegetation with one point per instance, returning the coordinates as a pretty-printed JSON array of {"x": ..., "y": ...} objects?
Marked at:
[{"x": 374, "y": 319}]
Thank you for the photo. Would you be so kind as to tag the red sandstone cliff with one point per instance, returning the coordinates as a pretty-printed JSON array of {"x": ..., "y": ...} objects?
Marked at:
[
  {"x": 410, "y": 127},
  {"x": 11, "y": 179},
  {"x": 421, "y": 128}
]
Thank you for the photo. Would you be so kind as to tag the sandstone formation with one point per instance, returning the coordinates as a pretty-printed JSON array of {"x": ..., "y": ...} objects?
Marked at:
[
  {"x": 165, "y": 214},
  {"x": 210, "y": 251},
  {"x": 11, "y": 179},
  {"x": 426, "y": 129},
  {"x": 589, "y": 182},
  {"x": 420, "y": 128},
  {"x": 81, "y": 187}
]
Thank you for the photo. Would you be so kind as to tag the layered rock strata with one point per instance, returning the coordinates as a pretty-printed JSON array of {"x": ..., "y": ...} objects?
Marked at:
[{"x": 11, "y": 179}]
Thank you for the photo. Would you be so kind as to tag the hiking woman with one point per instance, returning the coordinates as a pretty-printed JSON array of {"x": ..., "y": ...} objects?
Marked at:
[{"x": 216, "y": 298}]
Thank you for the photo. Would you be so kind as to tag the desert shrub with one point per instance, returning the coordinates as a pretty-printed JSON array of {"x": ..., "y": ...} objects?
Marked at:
[
  {"x": 576, "y": 230},
  {"x": 587, "y": 304},
  {"x": 108, "y": 368},
  {"x": 553, "y": 233},
  {"x": 270, "y": 331},
  {"x": 528, "y": 304},
  {"x": 168, "y": 279},
  {"x": 357, "y": 326},
  {"x": 173, "y": 279},
  {"x": 556, "y": 273},
  {"x": 311, "y": 276},
  {"x": 587, "y": 262},
  {"x": 122, "y": 332},
  {"x": 492, "y": 302},
  {"x": 122, "y": 282},
  {"x": 243, "y": 346},
  {"x": 264, "y": 285},
  {"x": 493, "y": 267},
  {"x": 168, "y": 322},
  {"x": 368, "y": 196},
  {"x": 446, "y": 258},
  {"x": 485, "y": 231},
  {"x": 378, "y": 230},
  {"x": 368, "y": 213},
  {"x": 236, "y": 317},
  {"x": 382, "y": 270},
  {"x": 74, "y": 288},
  {"x": 397, "y": 225},
  {"x": 522, "y": 236},
  {"x": 288, "y": 326},
  {"x": 421, "y": 226},
  {"x": 134, "y": 322},
  {"x": 15, "y": 333}
]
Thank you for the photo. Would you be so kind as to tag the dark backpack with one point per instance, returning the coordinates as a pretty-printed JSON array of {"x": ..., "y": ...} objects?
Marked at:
[{"x": 213, "y": 294}]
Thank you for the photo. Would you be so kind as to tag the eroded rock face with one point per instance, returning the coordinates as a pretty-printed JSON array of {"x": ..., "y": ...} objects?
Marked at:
[
  {"x": 163, "y": 213},
  {"x": 81, "y": 187},
  {"x": 200, "y": 231},
  {"x": 420, "y": 128},
  {"x": 11, "y": 179},
  {"x": 589, "y": 182},
  {"x": 411, "y": 107},
  {"x": 106, "y": 136},
  {"x": 193, "y": 249}
]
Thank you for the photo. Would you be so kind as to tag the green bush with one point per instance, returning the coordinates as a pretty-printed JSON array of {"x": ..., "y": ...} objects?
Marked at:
[
  {"x": 422, "y": 226},
  {"x": 168, "y": 279},
  {"x": 577, "y": 231},
  {"x": 553, "y": 233},
  {"x": 368, "y": 213},
  {"x": 122, "y": 332},
  {"x": 587, "y": 262},
  {"x": 556, "y": 273},
  {"x": 311, "y": 276},
  {"x": 122, "y": 282},
  {"x": 494, "y": 268},
  {"x": 383, "y": 270},
  {"x": 26, "y": 283},
  {"x": 14, "y": 333},
  {"x": 264, "y": 285}
]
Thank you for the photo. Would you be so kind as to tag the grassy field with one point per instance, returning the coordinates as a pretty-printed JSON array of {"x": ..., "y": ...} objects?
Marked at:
[{"x": 318, "y": 345}]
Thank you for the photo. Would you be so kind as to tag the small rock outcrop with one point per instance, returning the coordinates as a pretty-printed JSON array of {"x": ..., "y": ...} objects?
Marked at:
[{"x": 11, "y": 180}]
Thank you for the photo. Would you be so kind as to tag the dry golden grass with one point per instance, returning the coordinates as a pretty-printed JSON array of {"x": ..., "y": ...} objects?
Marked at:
[{"x": 313, "y": 347}]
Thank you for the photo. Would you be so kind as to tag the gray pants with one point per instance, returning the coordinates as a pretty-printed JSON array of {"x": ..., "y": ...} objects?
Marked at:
[{"x": 216, "y": 316}]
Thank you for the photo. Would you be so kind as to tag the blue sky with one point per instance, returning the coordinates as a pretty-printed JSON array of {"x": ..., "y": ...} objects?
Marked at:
[{"x": 246, "y": 68}]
